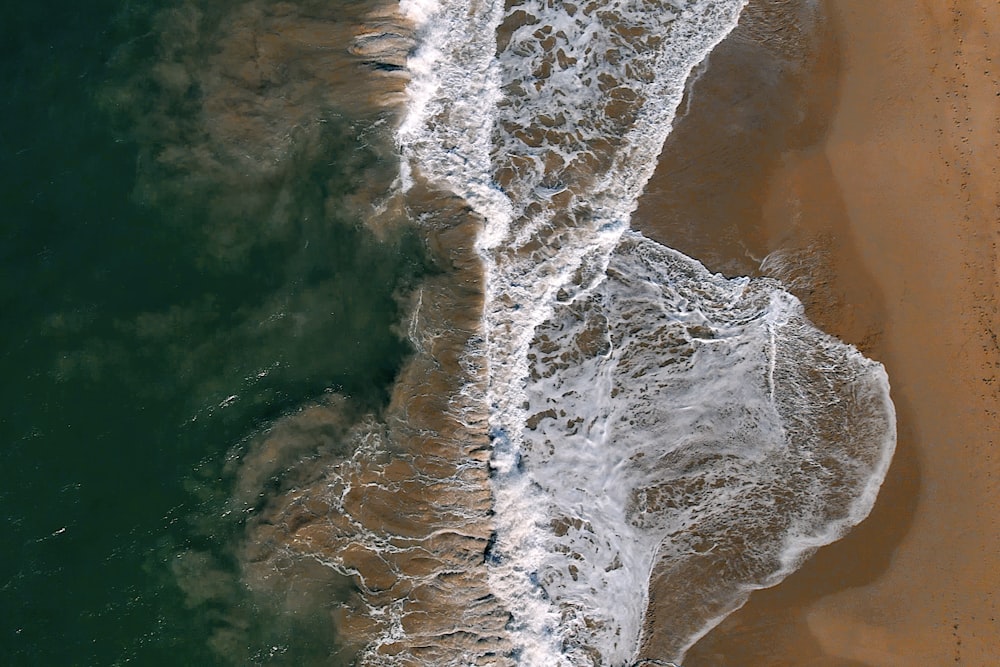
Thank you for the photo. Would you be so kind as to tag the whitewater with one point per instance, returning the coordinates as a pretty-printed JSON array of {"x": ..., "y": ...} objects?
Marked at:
[{"x": 650, "y": 422}]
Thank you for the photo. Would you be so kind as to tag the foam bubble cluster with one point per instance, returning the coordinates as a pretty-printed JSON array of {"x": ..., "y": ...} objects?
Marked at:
[{"x": 650, "y": 423}]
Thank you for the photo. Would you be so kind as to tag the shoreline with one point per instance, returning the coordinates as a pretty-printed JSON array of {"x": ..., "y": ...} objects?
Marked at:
[{"x": 839, "y": 174}]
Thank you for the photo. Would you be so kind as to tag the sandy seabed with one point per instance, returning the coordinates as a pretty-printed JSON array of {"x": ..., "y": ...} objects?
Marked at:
[{"x": 853, "y": 151}]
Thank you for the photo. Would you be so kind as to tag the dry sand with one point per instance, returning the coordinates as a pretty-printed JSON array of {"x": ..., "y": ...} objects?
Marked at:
[{"x": 860, "y": 156}]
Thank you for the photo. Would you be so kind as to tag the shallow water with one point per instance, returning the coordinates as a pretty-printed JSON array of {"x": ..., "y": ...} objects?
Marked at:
[
  {"x": 303, "y": 370},
  {"x": 614, "y": 364}
]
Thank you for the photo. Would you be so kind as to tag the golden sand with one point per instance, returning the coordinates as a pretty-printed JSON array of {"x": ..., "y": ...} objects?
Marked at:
[{"x": 860, "y": 160}]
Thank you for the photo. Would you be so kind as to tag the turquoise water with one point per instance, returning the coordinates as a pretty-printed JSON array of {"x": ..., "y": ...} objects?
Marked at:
[{"x": 150, "y": 323}]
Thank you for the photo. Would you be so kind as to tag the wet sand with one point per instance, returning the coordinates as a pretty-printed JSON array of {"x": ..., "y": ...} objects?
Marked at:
[{"x": 856, "y": 158}]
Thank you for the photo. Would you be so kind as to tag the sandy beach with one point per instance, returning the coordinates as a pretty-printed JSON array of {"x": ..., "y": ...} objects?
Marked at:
[{"x": 856, "y": 158}]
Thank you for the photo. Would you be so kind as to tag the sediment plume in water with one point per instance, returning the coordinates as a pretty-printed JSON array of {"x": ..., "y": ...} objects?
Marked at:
[
  {"x": 597, "y": 447},
  {"x": 384, "y": 512},
  {"x": 408, "y": 513}
]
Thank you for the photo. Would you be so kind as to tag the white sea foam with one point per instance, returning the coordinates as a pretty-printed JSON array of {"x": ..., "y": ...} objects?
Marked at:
[
  {"x": 676, "y": 413},
  {"x": 453, "y": 93},
  {"x": 642, "y": 411}
]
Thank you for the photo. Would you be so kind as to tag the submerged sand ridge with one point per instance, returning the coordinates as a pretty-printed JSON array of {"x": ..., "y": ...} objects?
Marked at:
[
  {"x": 371, "y": 528},
  {"x": 407, "y": 513}
]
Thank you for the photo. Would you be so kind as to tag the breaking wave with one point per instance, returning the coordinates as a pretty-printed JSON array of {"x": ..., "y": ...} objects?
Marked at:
[
  {"x": 598, "y": 448},
  {"x": 647, "y": 418}
]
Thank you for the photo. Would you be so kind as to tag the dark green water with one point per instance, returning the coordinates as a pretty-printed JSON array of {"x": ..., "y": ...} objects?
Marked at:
[{"x": 151, "y": 321}]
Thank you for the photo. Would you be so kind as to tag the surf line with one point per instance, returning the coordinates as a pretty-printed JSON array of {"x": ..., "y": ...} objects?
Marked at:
[{"x": 546, "y": 119}]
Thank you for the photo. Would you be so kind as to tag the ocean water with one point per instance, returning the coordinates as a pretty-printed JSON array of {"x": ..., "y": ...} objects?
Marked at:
[
  {"x": 328, "y": 342},
  {"x": 162, "y": 300}
]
